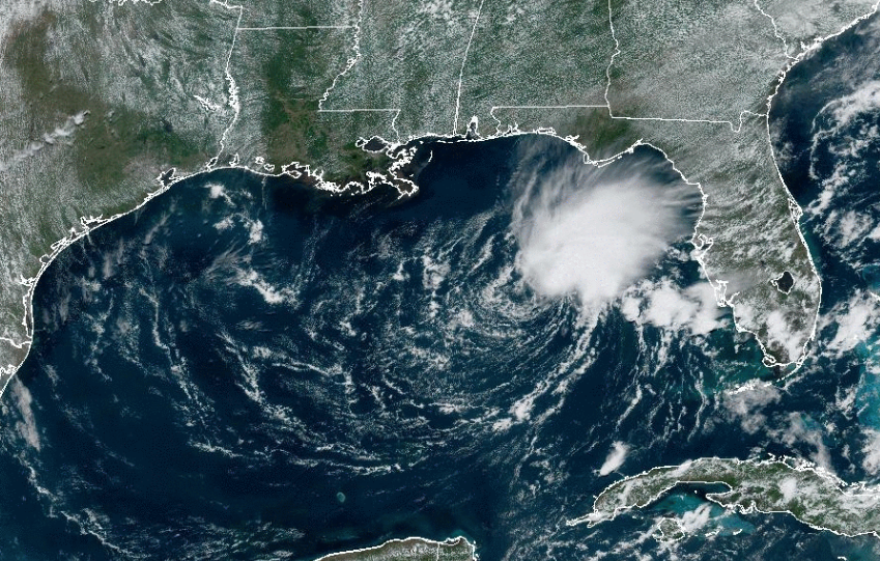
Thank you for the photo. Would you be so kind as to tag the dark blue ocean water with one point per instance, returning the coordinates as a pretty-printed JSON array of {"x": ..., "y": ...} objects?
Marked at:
[{"x": 247, "y": 368}]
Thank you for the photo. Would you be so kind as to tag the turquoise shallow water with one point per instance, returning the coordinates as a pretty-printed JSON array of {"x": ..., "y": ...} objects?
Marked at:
[{"x": 214, "y": 372}]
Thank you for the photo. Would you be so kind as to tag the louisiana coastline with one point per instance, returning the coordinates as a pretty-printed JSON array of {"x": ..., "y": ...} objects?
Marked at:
[
  {"x": 204, "y": 314},
  {"x": 322, "y": 372}
]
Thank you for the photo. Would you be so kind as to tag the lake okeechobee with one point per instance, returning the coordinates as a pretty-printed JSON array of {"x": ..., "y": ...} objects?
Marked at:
[{"x": 250, "y": 368}]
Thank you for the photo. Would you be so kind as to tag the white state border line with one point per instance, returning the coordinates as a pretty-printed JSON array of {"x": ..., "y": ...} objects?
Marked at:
[
  {"x": 380, "y": 110},
  {"x": 295, "y": 28},
  {"x": 775, "y": 30},
  {"x": 617, "y": 51},
  {"x": 720, "y": 286},
  {"x": 234, "y": 100},
  {"x": 733, "y": 127},
  {"x": 352, "y": 60},
  {"x": 89, "y": 223},
  {"x": 463, "y": 62},
  {"x": 794, "y": 208},
  {"x": 494, "y": 107}
]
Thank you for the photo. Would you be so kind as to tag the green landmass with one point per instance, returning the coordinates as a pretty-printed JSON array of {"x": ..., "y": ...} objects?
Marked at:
[
  {"x": 99, "y": 98},
  {"x": 810, "y": 494},
  {"x": 410, "y": 549}
]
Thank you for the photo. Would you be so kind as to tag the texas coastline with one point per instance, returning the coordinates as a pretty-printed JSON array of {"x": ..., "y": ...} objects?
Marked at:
[
  {"x": 169, "y": 178},
  {"x": 403, "y": 154}
]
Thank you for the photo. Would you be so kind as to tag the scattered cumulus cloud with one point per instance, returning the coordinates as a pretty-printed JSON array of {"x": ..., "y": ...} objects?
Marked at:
[
  {"x": 665, "y": 305},
  {"x": 27, "y": 426},
  {"x": 871, "y": 451},
  {"x": 854, "y": 321},
  {"x": 615, "y": 458},
  {"x": 695, "y": 520},
  {"x": 803, "y": 429},
  {"x": 747, "y": 403},
  {"x": 864, "y": 100}
]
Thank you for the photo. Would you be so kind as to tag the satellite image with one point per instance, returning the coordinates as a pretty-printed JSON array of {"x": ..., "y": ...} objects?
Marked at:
[{"x": 440, "y": 280}]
